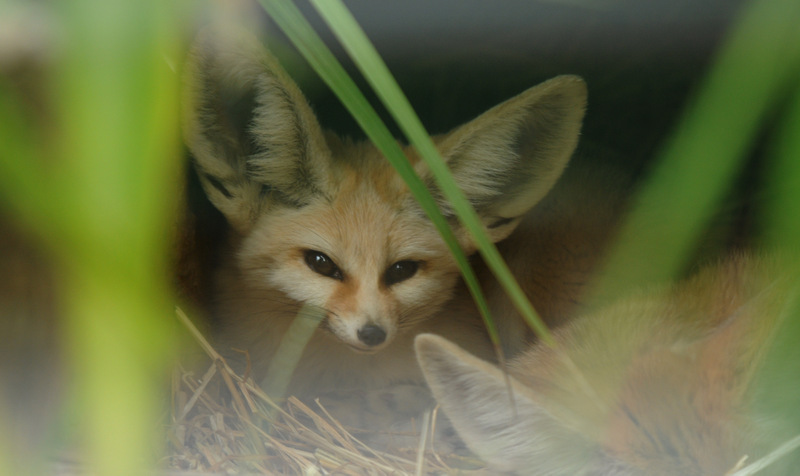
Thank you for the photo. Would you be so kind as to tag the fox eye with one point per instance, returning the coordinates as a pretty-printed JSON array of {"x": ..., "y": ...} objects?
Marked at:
[
  {"x": 322, "y": 264},
  {"x": 400, "y": 271}
]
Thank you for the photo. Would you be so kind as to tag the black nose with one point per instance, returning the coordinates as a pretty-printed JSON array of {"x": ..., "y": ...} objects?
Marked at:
[{"x": 371, "y": 335}]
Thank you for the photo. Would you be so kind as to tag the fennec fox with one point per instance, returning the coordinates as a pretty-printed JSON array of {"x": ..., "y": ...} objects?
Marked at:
[
  {"x": 666, "y": 382},
  {"x": 324, "y": 221}
]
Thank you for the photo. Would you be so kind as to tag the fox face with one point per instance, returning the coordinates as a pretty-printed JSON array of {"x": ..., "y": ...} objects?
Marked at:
[
  {"x": 375, "y": 269},
  {"x": 664, "y": 382},
  {"x": 324, "y": 221}
]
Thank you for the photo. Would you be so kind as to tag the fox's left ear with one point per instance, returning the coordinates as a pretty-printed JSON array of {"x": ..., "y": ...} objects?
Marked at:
[{"x": 510, "y": 157}]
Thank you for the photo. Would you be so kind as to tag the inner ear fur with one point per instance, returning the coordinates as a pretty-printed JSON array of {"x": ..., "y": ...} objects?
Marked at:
[
  {"x": 476, "y": 397},
  {"x": 510, "y": 157},
  {"x": 252, "y": 135}
]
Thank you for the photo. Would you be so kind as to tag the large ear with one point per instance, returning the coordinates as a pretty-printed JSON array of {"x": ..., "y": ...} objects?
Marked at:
[
  {"x": 508, "y": 158},
  {"x": 253, "y": 136},
  {"x": 474, "y": 394}
]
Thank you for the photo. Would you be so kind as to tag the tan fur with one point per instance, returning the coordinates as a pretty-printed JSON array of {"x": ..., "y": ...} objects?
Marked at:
[
  {"x": 665, "y": 387},
  {"x": 285, "y": 187}
]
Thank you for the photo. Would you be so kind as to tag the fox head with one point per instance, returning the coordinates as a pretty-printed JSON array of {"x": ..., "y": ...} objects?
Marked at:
[
  {"x": 662, "y": 383},
  {"x": 328, "y": 221}
]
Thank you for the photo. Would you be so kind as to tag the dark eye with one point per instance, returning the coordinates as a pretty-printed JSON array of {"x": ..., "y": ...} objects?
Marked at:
[
  {"x": 321, "y": 263},
  {"x": 400, "y": 271}
]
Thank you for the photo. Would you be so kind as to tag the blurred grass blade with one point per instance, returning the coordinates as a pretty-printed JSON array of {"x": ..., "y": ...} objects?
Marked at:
[
  {"x": 764, "y": 462},
  {"x": 779, "y": 395},
  {"x": 375, "y": 71},
  {"x": 783, "y": 213},
  {"x": 698, "y": 164},
  {"x": 289, "y": 18},
  {"x": 281, "y": 367},
  {"x": 117, "y": 164}
]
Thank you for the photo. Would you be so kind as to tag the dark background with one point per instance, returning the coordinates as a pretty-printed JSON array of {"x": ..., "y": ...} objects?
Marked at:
[{"x": 642, "y": 59}]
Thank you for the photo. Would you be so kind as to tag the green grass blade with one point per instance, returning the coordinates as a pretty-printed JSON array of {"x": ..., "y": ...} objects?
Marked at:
[
  {"x": 375, "y": 71},
  {"x": 779, "y": 395},
  {"x": 94, "y": 185},
  {"x": 701, "y": 159},
  {"x": 118, "y": 157},
  {"x": 322, "y": 60},
  {"x": 783, "y": 214}
]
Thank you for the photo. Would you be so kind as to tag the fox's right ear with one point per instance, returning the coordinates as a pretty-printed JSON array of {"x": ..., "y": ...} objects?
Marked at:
[
  {"x": 253, "y": 136},
  {"x": 475, "y": 396}
]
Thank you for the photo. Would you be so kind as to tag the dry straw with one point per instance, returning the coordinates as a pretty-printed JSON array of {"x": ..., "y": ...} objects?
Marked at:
[{"x": 223, "y": 423}]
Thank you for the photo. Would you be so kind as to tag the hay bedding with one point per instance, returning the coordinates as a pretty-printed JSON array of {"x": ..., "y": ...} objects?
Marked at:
[{"x": 246, "y": 432}]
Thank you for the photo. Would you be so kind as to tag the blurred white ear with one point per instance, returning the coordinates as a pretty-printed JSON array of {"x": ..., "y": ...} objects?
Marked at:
[{"x": 522, "y": 438}]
